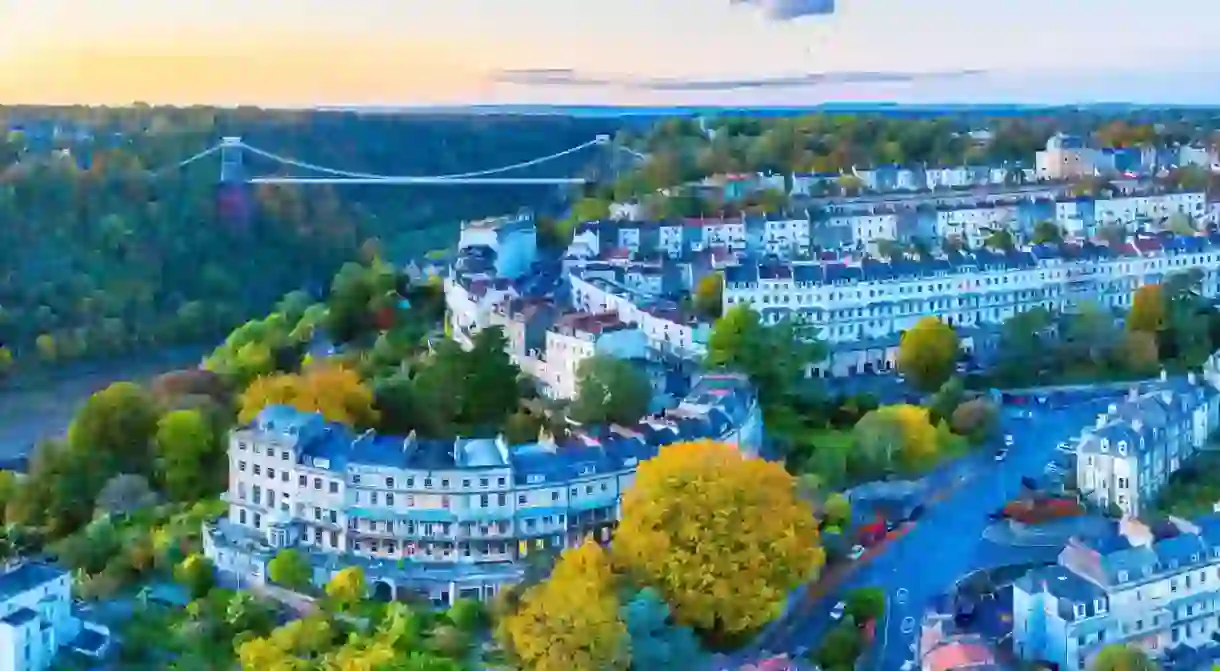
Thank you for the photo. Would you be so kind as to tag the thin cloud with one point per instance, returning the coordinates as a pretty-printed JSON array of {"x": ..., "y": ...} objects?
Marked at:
[
  {"x": 787, "y": 10},
  {"x": 563, "y": 77}
]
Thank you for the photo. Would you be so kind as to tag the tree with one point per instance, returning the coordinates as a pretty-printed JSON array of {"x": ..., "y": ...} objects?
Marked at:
[
  {"x": 1120, "y": 657},
  {"x": 610, "y": 389},
  {"x": 189, "y": 453},
  {"x": 947, "y": 398},
  {"x": 841, "y": 647},
  {"x": 928, "y": 353},
  {"x": 490, "y": 392},
  {"x": 114, "y": 429},
  {"x": 1180, "y": 223},
  {"x": 124, "y": 494},
  {"x": 904, "y": 432},
  {"x": 723, "y": 537},
  {"x": 291, "y": 569},
  {"x": 1047, "y": 232},
  {"x": 336, "y": 392},
  {"x": 709, "y": 294},
  {"x": 467, "y": 614},
  {"x": 570, "y": 621},
  {"x": 775, "y": 358},
  {"x": 865, "y": 603},
  {"x": 1001, "y": 239},
  {"x": 657, "y": 643},
  {"x": 976, "y": 419},
  {"x": 196, "y": 574},
  {"x": 347, "y": 587},
  {"x": 1139, "y": 352},
  {"x": 836, "y": 511},
  {"x": 1147, "y": 309}
]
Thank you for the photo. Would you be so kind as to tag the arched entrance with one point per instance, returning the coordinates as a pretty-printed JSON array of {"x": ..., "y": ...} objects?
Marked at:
[{"x": 382, "y": 591}]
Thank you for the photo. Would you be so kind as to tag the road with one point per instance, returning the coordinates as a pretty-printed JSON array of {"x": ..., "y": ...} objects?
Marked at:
[{"x": 945, "y": 544}]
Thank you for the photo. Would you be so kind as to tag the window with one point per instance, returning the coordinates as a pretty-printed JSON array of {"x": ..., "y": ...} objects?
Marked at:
[
  {"x": 284, "y": 476},
  {"x": 410, "y": 482},
  {"x": 389, "y": 499},
  {"x": 356, "y": 479},
  {"x": 241, "y": 465},
  {"x": 501, "y": 500},
  {"x": 500, "y": 482},
  {"x": 270, "y": 473},
  {"x": 389, "y": 483},
  {"x": 483, "y": 482},
  {"x": 465, "y": 484},
  {"x": 334, "y": 486},
  {"x": 1080, "y": 610},
  {"x": 334, "y": 539},
  {"x": 373, "y": 498},
  {"x": 317, "y": 483},
  {"x": 483, "y": 501},
  {"x": 445, "y": 484},
  {"x": 1100, "y": 606},
  {"x": 428, "y": 483},
  {"x": 521, "y": 502},
  {"x": 317, "y": 513},
  {"x": 284, "y": 456},
  {"x": 241, "y": 515},
  {"x": 302, "y": 480},
  {"x": 334, "y": 516}
]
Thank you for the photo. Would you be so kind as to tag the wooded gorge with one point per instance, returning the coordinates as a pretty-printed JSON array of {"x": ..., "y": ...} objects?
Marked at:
[{"x": 97, "y": 258}]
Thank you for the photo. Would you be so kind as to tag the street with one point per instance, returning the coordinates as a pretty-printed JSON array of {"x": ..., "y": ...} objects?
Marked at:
[{"x": 946, "y": 543}]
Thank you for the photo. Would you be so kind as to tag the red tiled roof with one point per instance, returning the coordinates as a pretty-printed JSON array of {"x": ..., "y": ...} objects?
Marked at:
[{"x": 958, "y": 656}]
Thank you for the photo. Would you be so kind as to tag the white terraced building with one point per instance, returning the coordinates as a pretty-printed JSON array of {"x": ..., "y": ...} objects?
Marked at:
[{"x": 869, "y": 303}]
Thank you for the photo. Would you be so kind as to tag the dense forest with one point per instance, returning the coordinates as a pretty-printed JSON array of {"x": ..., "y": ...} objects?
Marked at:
[{"x": 98, "y": 257}]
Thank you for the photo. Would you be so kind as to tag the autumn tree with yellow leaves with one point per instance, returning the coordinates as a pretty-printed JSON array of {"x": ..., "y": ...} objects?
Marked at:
[
  {"x": 723, "y": 537},
  {"x": 571, "y": 621},
  {"x": 901, "y": 436},
  {"x": 928, "y": 352},
  {"x": 336, "y": 392},
  {"x": 1147, "y": 309}
]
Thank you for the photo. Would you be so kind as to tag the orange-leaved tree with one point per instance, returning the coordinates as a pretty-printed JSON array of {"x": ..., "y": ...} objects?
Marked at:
[
  {"x": 1147, "y": 309},
  {"x": 570, "y": 621},
  {"x": 336, "y": 392},
  {"x": 724, "y": 537}
]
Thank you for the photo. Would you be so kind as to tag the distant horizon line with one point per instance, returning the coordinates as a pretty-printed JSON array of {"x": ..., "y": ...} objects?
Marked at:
[{"x": 629, "y": 107}]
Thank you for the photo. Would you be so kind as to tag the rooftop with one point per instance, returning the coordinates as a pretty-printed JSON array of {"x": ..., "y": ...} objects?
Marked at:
[
  {"x": 715, "y": 406},
  {"x": 26, "y": 577}
]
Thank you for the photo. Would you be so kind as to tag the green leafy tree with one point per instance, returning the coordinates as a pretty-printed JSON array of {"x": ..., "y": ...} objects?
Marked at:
[
  {"x": 841, "y": 647},
  {"x": 196, "y": 574},
  {"x": 709, "y": 294},
  {"x": 657, "y": 643},
  {"x": 1119, "y": 657},
  {"x": 114, "y": 429},
  {"x": 291, "y": 569},
  {"x": 1047, "y": 232},
  {"x": 775, "y": 357},
  {"x": 866, "y": 603},
  {"x": 189, "y": 454},
  {"x": 610, "y": 390}
]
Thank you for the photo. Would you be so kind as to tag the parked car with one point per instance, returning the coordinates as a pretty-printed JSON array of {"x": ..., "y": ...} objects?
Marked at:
[
  {"x": 857, "y": 551},
  {"x": 1001, "y": 454},
  {"x": 837, "y": 612}
]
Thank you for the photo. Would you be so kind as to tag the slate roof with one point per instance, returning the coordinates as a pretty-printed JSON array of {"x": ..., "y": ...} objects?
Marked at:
[
  {"x": 1142, "y": 420},
  {"x": 871, "y": 269},
  {"x": 715, "y": 406}
]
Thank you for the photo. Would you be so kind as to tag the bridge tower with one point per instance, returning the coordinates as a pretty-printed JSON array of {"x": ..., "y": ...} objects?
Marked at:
[
  {"x": 233, "y": 201},
  {"x": 232, "y": 168}
]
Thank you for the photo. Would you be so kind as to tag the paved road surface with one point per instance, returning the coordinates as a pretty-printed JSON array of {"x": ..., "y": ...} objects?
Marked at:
[{"x": 945, "y": 544}]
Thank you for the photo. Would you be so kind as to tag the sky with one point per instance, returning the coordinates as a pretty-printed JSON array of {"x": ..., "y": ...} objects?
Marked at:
[{"x": 617, "y": 52}]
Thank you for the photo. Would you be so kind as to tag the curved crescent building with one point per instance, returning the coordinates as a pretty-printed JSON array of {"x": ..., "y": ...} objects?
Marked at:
[{"x": 443, "y": 520}]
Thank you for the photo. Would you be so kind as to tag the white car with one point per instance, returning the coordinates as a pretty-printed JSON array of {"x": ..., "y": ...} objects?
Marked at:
[
  {"x": 1001, "y": 455},
  {"x": 837, "y": 612},
  {"x": 1008, "y": 440},
  {"x": 857, "y": 551}
]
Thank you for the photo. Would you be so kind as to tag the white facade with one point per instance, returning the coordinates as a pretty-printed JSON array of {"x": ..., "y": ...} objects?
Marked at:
[
  {"x": 858, "y": 301},
  {"x": 445, "y": 519},
  {"x": 973, "y": 225},
  {"x": 1155, "y": 589},
  {"x": 36, "y": 617},
  {"x": 663, "y": 329},
  {"x": 567, "y": 347},
  {"x": 1133, "y": 449}
]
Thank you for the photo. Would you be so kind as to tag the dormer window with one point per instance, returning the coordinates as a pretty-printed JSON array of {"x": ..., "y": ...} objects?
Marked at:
[
  {"x": 1080, "y": 610},
  {"x": 1105, "y": 445},
  {"x": 1100, "y": 606},
  {"x": 1122, "y": 447},
  {"x": 1122, "y": 576}
]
